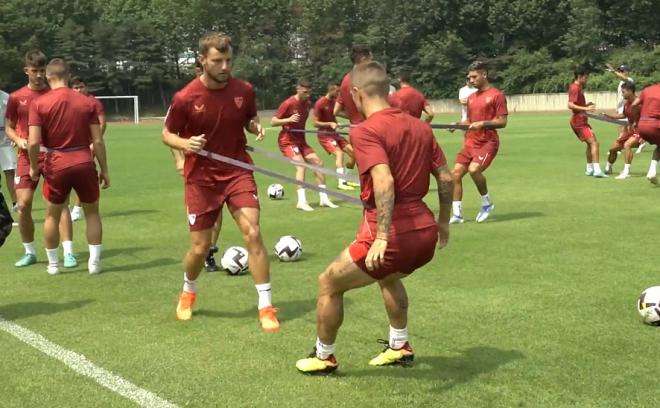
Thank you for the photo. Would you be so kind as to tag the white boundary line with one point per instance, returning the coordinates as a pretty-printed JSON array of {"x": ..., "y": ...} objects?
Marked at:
[{"x": 81, "y": 365}]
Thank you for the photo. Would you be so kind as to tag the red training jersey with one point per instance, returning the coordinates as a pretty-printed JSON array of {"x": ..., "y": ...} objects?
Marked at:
[
  {"x": 650, "y": 98},
  {"x": 345, "y": 99},
  {"x": 290, "y": 106},
  {"x": 18, "y": 110},
  {"x": 98, "y": 106},
  {"x": 221, "y": 116},
  {"x": 64, "y": 116},
  {"x": 324, "y": 111},
  {"x": 576, "y": 96},
  {"x": 409, "y": 100},
  {"x": 630, "y": 113},
  {"x": 484, "y": 105},
  {"x": 408, "y": 147}
]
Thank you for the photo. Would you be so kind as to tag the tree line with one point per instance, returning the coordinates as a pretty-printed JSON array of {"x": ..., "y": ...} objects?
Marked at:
[{"x": 146, "y": 47}]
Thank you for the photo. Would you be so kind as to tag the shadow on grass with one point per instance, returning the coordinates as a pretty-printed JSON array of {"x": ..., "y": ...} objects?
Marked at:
[
  {"x": 127, "y": 213},
  {"x": 22, "y": 310},
  {"x": 448, "y": 372},
  {"x": 289, "y": 310},
  {"x": 515, "y": 216},
  {"x": 129, "y": 251},
  {"x": 136, "y": 267}
]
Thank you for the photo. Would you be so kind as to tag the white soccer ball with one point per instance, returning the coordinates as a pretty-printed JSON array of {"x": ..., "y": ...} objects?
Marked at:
[
  {"x": 648, "y": 306},
  {"x": 235, "y": 260},
  {"x": 288, "y": 249},
  {"x": 275, "y": 191}
]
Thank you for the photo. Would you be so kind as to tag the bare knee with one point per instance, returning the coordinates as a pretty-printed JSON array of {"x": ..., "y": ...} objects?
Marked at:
[
  {"x": 326, "y": 282},
  {"x": 474, "y": 170},
  {"x": 200, "y": 249}
]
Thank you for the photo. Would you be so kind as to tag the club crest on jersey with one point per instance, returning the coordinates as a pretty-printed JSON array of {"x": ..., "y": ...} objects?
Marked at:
[
  {"x": 23, "y": 102},
  {"x": 199, "y": 108},
  {"x": 238, "y": 101}
]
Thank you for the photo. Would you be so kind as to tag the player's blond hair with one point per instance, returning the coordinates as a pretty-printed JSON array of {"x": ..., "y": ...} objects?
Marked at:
[
  {"x": 57, "y": 68},
  {"x": 371, "y": 78},
  {"x": 214, "y": 39}
]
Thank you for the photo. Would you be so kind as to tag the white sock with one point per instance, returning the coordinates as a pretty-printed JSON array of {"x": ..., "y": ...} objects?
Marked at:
[
  {"x": 189, "y": 286},
  {"x": 590, "y": 168},
  {"x": 301, "y": 196},
  {"x": 323, "y": 196},
  {"x": 323, "y": 351},
  {"x": 654, "y": 167},
  {"x": 597, "y": 168},
  {"x": 52, "y": 257},
  {"x": 609, "y": 166},
  {"x": 340, "y": 170},
  {"x": 485, "y": 199},
  {"x": 398, "y": 337},
  {"x": 263, "y": 290},
  {"x": 76, "y": 209},
  {"x": 626, "y": 168},
  {"x": 67, "y": 246},
  {"x": 457, "y": 208},
  {"x": 95, "y": 253},
  {"x": 29, "y": 248}
]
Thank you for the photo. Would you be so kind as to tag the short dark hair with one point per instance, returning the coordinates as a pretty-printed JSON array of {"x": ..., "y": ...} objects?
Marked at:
[
  {"x": 478, "y": 66},
  {"x": 580, "y": 71},
  {"x": 57, "y": 67},
  {"x": 332, "y": 87},
  {"x": 372, "y": 78},
  {"x": 629, "y": 85},
  {"x": 304, "y": 83},
  {"x": 35, "y": 58},
  {"x": 404, "y": 76},
  {"x": 214, "y": 39},
  {"x": 76, "y": 80},
  {"x": 359, "y": 52},
  {"x": 198, "y": 64}
]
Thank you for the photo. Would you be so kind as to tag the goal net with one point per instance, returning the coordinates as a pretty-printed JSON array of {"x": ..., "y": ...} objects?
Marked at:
[{"x": 121, "y": 108}]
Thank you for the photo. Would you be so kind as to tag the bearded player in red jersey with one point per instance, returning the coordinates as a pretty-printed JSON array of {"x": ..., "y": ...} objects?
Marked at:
[
  {"x": 486, "y": 112},
  {"x": 65, "y": 122},
  {"x": 345, "y": 107},
  {"x": 212, "y": 113},
  {"x": 629, "y": 137},
  {"x": 16, "y": 128},
  {"x": 649, "y": 125},
  {"x": 292, "y": 115},
  {"x": 329, "y": 139},
  {"x": 580, "y": 123},
  {"x": 395, "y": 154},
  {"x": 411, "y": 100}
]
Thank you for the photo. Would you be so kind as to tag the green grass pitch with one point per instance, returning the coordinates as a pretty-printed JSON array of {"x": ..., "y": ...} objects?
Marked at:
[{"x": 536, "y": 307}]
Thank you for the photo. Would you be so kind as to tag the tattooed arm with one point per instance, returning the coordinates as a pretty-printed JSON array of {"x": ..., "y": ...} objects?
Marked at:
[
  {"x": 384, "y": 194},
  {"x": 445, "y": 189}
]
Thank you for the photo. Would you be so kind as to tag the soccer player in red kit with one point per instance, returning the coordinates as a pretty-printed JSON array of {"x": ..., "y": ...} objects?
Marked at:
[
  {"x": 395, "y": 154},
  {"x": 65, "y": 122},
  {"x": 345, "y": 107},
  {"x": 329, "y": 139},
  {"x": 16, "y": 128},
  {"x": 629, "y": 137},
  {"x": 292, "y": 115},
  {"x": 411, "y": 100},
  {"x": 649, "y": 125},
  {"x": 486, "y": 112},
  {"x": 79, "y": 85},
  {"x": 580, "y": 123},
  {"x": 212, "y": 113}
]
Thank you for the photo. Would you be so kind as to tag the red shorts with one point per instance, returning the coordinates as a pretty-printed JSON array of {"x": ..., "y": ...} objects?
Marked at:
[
  {"x": 330, "y": 143},
  {"x": 649, "y": 130},
  {"x": 22, "y": 178},
  {"x": 406, "y": 251},
  {"x": 292, "y": 149},
  {"x": 627, "y": 135},
  {"x": 583, "y": 133},
  {"x": 82, "y": 178},
  {"x": 483, "y": 154},
  {"x": 204, "y": 203}
]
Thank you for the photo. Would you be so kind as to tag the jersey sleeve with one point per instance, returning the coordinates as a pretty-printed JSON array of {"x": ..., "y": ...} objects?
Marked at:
[
  {"x": 34, "y": 118},
  {"x": 394, "y": 100},
  {"x": 368, "y": 149},
  {"x": 283, "y": 110},
  {"x": 500, "y": 105},
  {"x": 177, "y": 117},
  {"x": 438, "y": 158},
  {"x": 94, "y": 114},
  {"x": 98, "y": 108},
  {"x": 12, "y": 110},
  {"x": 318, "y": 109},
  {"x": 573, "y": 94}
]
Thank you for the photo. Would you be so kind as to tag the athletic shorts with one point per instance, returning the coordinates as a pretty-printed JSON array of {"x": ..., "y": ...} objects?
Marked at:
[
  {"x": 406, "y": 251},
  {"x": 330, "y": 143},
  {"x": 289, "y": 149},
  {"x": 7, "y": 158},
  {"x": 22, "y": 178},
  {"x": 482, "y": 154},
  {"x": 583, "y": 133},
  {"x": 649, "y": 130},
  {"x": 204, "y": 202},
  {"x": 626, "y": 135},
  {"x": 82, "y": 178}
]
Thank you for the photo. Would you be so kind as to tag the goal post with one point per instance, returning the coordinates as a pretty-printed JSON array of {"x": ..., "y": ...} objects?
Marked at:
[{"x": 136, "y": 106}]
